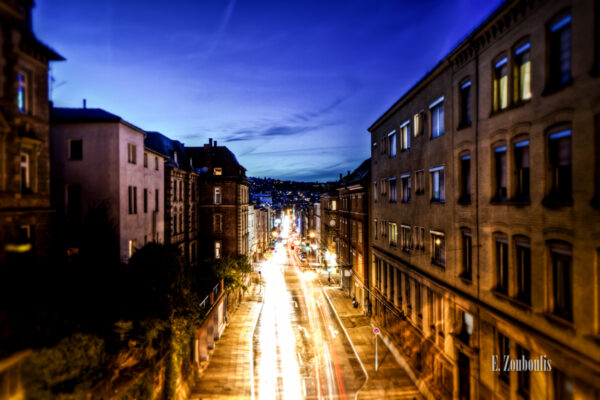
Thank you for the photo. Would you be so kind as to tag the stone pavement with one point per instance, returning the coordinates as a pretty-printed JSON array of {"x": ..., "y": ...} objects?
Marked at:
[
  {"x": 227, "y": 374},
  {"x": 390, "y": 381}
]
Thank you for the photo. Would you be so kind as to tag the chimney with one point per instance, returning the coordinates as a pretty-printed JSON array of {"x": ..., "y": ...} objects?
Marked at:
[
  {"x": 210, "y": 142},
  {"x": 84, "y": 103},
  {"x": 215, "y": 143},
  {"x": 340, "y": 177},
  {"x": 348, "y": 174}
]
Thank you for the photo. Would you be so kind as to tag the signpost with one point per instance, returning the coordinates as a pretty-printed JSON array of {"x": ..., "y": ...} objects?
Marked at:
[{"x": 376, "y": 332}]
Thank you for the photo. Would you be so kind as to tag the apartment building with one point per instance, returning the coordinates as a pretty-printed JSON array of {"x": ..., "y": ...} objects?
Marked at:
[
  {"x": 99, "y": 160},
  {"x": 222, "y": 201},
  {"x": 485, "y": 220},
  {"x": 180, "y": 195}
]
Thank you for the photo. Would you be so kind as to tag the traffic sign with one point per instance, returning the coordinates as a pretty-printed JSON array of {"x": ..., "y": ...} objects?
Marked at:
[{"x": 376, "y": 331}]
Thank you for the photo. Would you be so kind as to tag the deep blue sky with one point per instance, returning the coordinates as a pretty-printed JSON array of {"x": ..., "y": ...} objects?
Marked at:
[{"x": 290, "y": 87}]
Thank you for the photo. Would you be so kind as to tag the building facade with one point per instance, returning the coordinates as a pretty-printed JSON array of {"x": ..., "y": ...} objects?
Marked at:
[
  {"x": 180, "y": 195},
  {"x": 222, "y": 201},
  {"x": 99, "y": 160},
  {"x": 484, "y": 210}
]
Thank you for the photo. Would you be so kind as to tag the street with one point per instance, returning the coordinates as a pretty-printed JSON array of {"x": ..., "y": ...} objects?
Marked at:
[{"x": 300, "y": 351}]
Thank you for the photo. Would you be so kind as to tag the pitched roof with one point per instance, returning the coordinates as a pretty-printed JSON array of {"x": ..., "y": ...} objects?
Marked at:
[
  {"x": 169, "y": 148},
  {"x": 208, "y": 157},
  {"x": 86, "y": 115}
]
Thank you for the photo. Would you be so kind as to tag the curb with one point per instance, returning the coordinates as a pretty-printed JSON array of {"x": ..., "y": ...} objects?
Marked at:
[
  {"x": 253, "y": 383},
  {"x": 349, "y": 340}
]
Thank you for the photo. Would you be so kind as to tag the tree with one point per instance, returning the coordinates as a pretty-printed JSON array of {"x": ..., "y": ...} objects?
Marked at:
[{"x": 232, "y": 270}]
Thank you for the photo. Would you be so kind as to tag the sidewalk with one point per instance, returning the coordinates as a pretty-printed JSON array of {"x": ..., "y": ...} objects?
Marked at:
[
  {"x": 228, "y": 374},
  {"x": 390, "y": 381}
]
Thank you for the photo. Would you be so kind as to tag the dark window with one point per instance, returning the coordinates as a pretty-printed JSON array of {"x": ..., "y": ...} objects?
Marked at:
[
  {"x": 500, "y": 173},
  {"x": 522, "y": 170},
  {"x": 562, "y": 280},
  {"x": 393, "y": 192},
  {"x": 418, "y": 307},
  {"x": 405, "y": 188},
  {"x": 501, "y": 254},
  {"x": 130, "y": 199},
  {"x": 503, "y": 351},
  {"x": 465, "y": 179},
  {"x": 522, "y": 73},
  {"x": 145, "y": 200},
  {"x": 560, "y": 51},
  {"x": 75, "y": 149},
  {"x": 596, "y": 200},
  {"x": 563, "y": 385},
  {"x": 156, "y": 200},
  {"x": 524, "y": 377},
  {"x": 467, "y": 255},
  {"x": 437, "y": 118},
  {"x": 523, "y": 258},
  {"x": 559, "y": 149},
  {"x": 408, "y": 296},
  {"x": 465, "y": 104},
  {"x": 500, "y": 88},
  {"x": 145, "y": 160}
]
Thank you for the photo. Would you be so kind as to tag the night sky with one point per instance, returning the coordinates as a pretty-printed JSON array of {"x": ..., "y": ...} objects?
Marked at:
[{"x": 289, "y": 87}]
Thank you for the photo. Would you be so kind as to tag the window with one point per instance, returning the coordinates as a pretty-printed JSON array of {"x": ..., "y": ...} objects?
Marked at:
[
  {"x": 596, "y": 200},
  {"x": 438, "y": 249},
  {"x": 559, "y": 40},
  {"x": 523, "y": 377},
  {"x": 217, "y": 249},
  {"x": 407, "y": 283},
  {"x": 405, "y": 135},
  {"x": 156, "y": 200},
  {"x": 420, "y": 182},
  {"x": 392, "y": 140},
  {"x": 73, "y": 201},
  {"x": 217, "y": 195},
  {"x": 145, "y": 160},
  {"x": 418, "y": 305},
  {"x": 419, "y": 123},
  {"x": 218, "y": 223},
  {"x": 383, "y": 229},
  {"x": 333, "y": 205},
  {"x": 503, "y": 352},
  {"x": 376, "y": 229},
  {"x": 23, "y": 91},
  {"x": 375, "y": 194},
  {"x": 467, "y": 255},
  {"x": 500, "y": 85},
  {"x": 393, "y": 193},
  {"x": 359, "y": 229},
  {"x": 393, "y": 234},
  {"x": 406, "y": 237},
  {"x": 132, "y": 199},
  {"x": 465, "y": 104},
  {"x": 523, "y": 271},
  {"x": 419, "y": 238},
  {"x": 131, "y": 153},
  {"x": 75, "y": 149},
  {"x": 437, "y": 117},
  {"x": 563, "y": 385},
  {"x": 465, "y": 179},
  {"x": 145, "y": 200},
  {"x": 437, "y": 184},
  {"x": 559, "y": 152},
  {"x": 25, "y": 171},
  {"x": 218, "y": 171},
  {"x": 501, "y": 260},
  {"x": 500, "y": 173},
  {"x": 522, "y": 73},
  {"x": 132, "y": 247},
  {"x": 562, "y": 277},
  {"x": 405, "y": 182},
  {"x": 521, "y": 150},
  {"x": 156, "y": 163}
]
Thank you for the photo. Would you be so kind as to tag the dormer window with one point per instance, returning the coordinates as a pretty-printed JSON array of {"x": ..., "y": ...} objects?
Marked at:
[{"x": 218, "y": 171}]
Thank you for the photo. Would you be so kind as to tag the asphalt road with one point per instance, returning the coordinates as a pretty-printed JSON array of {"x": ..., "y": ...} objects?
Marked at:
[{"x": 300, "y": 351}]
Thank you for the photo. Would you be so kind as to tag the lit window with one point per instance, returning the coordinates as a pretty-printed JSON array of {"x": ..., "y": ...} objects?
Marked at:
[
  {"x": 25, "y": 173},
  {"x": 217, "y": 249},
  {"x": 23, "y": 91},
  {"x": 438, "y": 249},
  {"x": 500, "y": 173},
  {"x": 132, "y": 247},
  {"x": 522, "y": 73},
  {"x": 217, "y": 171},
  {"x": 465, "y": 104},
  {"x": 217, "y": 195},
  {"x": 405, "y": 135},
  {"x": 500, "y": 100},
  {"x": 521, "y": 150},
  {"x": 392, "y": 140},
  {"x": 75, "y": 149},
  {"x": 437, "y": 117},
  {"x": 437, "y": 184},
  {"x": 393, "y": 234},
  {"x": 560, "y": 51}
]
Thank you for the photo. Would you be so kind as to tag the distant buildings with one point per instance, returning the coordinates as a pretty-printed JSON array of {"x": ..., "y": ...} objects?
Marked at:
[{"x": 484, "y": 210}]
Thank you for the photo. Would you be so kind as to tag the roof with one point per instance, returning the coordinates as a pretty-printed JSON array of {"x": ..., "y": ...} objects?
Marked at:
[
  {"x": 208, "y": 157},
  {"x": 60, "y": 115},
  {"x": 169, "y": 148},
  {"x": 359, "y": 173}
]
